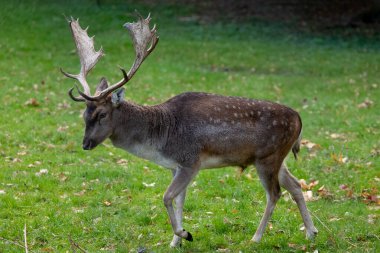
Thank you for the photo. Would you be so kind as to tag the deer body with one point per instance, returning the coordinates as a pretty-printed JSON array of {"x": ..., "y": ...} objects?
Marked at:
[
  {"x": 191, "y": 131},
  {"x": 214, "y": 130}
]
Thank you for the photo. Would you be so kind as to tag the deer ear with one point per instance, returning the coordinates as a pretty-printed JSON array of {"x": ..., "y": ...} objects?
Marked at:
[
  {"x": 103, "y": 84},
  {"x": 118, "y": 97}
]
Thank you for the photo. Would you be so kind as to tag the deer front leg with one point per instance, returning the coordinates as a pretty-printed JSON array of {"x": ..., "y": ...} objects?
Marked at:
[
  {"x": 179, "y": 202},
  {"x": 181, "y": 180}
]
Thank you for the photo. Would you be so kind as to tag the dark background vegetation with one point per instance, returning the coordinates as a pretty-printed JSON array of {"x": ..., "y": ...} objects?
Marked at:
[{"x": 302, "y": 14}]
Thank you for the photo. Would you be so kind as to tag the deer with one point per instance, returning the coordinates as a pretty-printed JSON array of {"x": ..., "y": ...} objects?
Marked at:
[{"x": 189, "y": 132}]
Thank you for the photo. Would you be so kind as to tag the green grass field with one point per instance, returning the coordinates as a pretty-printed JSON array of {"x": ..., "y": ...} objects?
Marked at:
[{"x": 109, "y": 201}]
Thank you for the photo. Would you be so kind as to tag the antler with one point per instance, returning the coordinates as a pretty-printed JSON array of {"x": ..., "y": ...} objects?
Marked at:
[
  {"x": 142, "y": 37},
  {"x": 87, "y": 55}
]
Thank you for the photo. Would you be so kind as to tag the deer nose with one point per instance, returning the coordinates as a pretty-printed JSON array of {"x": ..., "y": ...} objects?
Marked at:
[{"x": 87, "y": 144}]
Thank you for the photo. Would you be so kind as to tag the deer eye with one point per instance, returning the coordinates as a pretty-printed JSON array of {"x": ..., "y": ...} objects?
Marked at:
[{"x": 102, "y": 115}]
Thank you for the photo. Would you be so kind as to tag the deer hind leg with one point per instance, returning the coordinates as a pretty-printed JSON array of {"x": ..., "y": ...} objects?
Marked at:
[
  {"x": 181, "y": 180},
  {"x": 179, "y": 202},
  {"x": 291, "y": 184},
  {"x": 268, "y": 173}
]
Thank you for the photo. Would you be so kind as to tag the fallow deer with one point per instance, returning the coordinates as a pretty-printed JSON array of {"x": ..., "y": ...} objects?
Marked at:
[{"x": 191, "y": 131}]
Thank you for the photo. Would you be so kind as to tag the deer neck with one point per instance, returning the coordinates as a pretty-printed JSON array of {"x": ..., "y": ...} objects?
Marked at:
[{"x": 140, "y": 126}]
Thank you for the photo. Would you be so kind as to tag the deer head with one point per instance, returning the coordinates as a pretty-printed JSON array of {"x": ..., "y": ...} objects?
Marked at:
[{"x": 107, "y": 98}]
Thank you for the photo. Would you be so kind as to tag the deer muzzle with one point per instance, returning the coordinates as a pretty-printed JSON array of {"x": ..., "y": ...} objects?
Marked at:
[{"x": 88, "y": 144}]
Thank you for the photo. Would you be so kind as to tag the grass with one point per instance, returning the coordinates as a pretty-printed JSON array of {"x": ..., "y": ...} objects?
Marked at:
[{"x": 98, "y": 198}]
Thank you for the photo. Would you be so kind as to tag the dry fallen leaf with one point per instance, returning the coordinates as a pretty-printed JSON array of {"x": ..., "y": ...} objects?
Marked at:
[
  {"x": 222, "y": 250},
  {"x": 306, "y": 186},
  {"x": 226, "y": 221},
  {"x": 62, "y": 177},
  {"x": 81, "y": 193},
  {"x": 32, "y": 102},
  {"x": 313, "y": 183},
  {"x": 122, "y": 161},
  {"x": 324, "y": 193},
  {"x": 371, "y": 218},
  {"x": 365, "y": 104},
  {"x": 303, "y": 183},
  {"x": 370, "y": 196},
  {"x": 63, "y": 105},
  {"x": 42, "y": 172},
  {"x": 375, "y": 151},
  {"x": 308, "y": 196},
  {"x": 62, "y": 129},
  {"x": 21, "y": 153},
  {"x": 374, "y": 208},
  {"x": 338, "y": 136},
  {"x": 249, "y": 176},
  {"x": 310, "y": 145},
  {"x": 348, "y": 190},
  {"x": 97, "y": 220},
  {"x": 149, "y": 185},
  {"x": 334, "y": 219},
  {"x": 78, "y": 210},
  {"x": 343, "y": 187},
  {"x": 339, "y": 158},
  {"x": 107, "y": 203},
  {"x": 15, "y": 160},
  {"x": 286, "y": 196}
]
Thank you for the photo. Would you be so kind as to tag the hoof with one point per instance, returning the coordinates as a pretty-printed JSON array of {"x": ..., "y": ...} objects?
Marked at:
[
  {"x": 256, "y": 237},
  {"x": 175, "y": 245},
  {"x": 189, "y": 237},
  {"x": 176, "y": 242},
  {"x": 311, "y": 234}
]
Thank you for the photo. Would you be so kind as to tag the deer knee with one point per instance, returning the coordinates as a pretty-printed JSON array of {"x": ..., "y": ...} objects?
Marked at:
[
  {"x": 168, "y": 200},
  {"x": 276, "y": 194}
]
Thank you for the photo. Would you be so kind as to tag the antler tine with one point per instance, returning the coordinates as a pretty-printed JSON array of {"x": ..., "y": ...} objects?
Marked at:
[
  {"x": 87, "y": 55},
  {"x": 77, "y": 99},
  {"x": 142, "y": 36}
]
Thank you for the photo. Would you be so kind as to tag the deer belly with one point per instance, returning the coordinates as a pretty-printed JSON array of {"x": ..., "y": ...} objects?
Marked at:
[
  {"x": 152, "y": 154},
  {"x": 209, "y": 162}
]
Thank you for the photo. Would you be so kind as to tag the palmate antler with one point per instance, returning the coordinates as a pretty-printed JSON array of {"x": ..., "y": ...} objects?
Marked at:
[{"x": 142, "y": 37}]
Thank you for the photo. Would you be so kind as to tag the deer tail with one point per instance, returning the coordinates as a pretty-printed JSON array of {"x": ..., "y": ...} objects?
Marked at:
[{"x": 297, "y": 145}]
